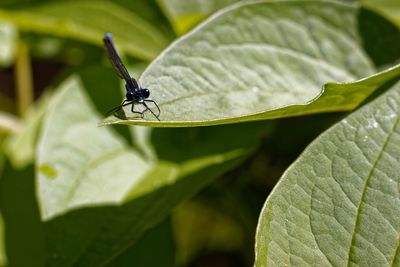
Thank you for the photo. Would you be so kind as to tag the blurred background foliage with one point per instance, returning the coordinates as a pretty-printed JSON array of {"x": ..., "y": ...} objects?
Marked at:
[{"x": 45, "y": 41}]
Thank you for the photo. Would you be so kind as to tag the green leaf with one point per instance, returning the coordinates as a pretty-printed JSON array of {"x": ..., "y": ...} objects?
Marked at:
[
  {"x": 183, "y": 15},
  {"x": 262, "y": 60},
  {"x": 78, "y": 163},
  {"x": 334, "y": 97},
  {"x": 338, "y": 204},
  {"x": 88, "y": 174},
  {"x": 88, "y": 21}
]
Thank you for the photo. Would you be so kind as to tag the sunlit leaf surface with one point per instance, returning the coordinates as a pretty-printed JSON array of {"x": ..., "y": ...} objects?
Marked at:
[
  {"x": 254, "y": 60},
  {"x": 79, "y": 163}
]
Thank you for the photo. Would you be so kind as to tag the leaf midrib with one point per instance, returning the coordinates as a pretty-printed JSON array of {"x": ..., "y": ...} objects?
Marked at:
[{"x": 370, "y": 174}]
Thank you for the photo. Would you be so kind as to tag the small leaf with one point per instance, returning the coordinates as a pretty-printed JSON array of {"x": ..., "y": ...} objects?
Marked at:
[
  {"x": 88, "y": 21},
  {"x": 256, "y": 60},
  {"x": 339, "y": 204}
]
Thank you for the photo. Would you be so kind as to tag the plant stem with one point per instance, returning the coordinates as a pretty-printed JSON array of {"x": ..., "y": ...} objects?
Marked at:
[{"x": 23, "y": 77}]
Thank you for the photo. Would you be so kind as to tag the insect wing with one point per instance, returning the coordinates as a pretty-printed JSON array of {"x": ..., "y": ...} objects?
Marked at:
[{"x": 115, "y": 59}]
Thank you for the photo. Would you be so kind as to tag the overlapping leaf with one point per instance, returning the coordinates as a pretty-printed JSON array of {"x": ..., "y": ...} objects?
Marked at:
[
  {"x": 257, "y": 60},
  {"x": 339, "y": 203},
  {"x": 87, "y": 173}
]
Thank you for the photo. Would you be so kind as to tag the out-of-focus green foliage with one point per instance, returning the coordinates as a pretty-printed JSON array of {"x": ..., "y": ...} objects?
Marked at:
[
  {"x": 21, "y": 146},
  {"x": 7, "y": 46},
  {"x": 24, "y": 236},
  {"x": 159, "y": 239},
  {"x": 222, "y": 233},
  {"x": 88, "y": 21},
  {"x": 73, "y": 193},
  {"x": 184, "y": 15},
  {"x": 387, "y": 7}
]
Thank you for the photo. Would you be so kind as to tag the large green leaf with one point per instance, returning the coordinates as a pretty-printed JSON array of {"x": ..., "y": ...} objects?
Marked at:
[
  {"x": 88, "y": 21},
  {"x": 257, "y": 60},
  {"x": 338, "y": 204},
  {"x": 98, "y": 195}
]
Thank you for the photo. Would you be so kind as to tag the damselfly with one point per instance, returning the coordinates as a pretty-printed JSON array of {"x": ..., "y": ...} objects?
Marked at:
[{"x": 135, "y": 94}]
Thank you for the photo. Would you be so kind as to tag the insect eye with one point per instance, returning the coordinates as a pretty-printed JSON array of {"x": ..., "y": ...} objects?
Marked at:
[
  {"x": 145, "y": 93},
  {"x": 129, "y": 95}
]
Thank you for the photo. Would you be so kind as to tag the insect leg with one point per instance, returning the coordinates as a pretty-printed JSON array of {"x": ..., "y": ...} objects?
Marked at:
[
  {"x": 123, "y": 104},
  {"x": 136, "y": 112},
  {"x": 154, "y": 102},
  {"x": 147, "y": 108}
]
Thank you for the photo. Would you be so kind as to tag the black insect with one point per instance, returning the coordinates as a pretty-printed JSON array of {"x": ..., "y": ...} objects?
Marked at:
[{"x": 135, "y": 94}]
